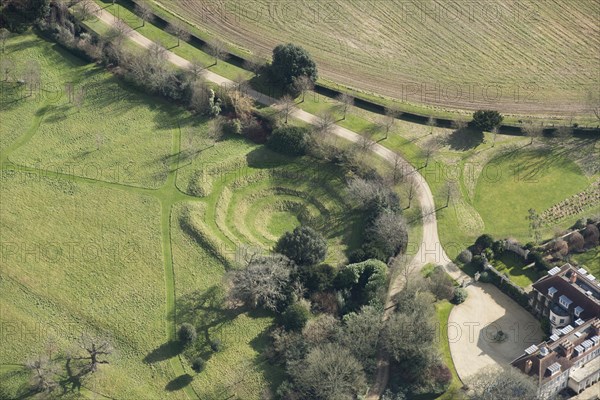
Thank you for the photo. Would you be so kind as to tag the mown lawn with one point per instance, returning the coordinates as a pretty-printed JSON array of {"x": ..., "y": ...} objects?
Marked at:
[
  {"x": 590, "y": 260},
  {"x": 521, "y": 180},
  {"x": 516, "y": 269}
]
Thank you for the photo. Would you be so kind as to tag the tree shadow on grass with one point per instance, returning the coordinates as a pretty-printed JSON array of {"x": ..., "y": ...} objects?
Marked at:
[
  {"x": 465, "y": 139},
  {"x": 179, "y": 383},
  {"x": 164, "y": 352}
]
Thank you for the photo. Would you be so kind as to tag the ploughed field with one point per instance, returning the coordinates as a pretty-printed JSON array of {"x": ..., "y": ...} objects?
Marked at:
[{"x": 518, "y": 57}]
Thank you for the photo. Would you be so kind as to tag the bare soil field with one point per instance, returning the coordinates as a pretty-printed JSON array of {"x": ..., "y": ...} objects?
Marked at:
[{"x": 520, "y": 57}]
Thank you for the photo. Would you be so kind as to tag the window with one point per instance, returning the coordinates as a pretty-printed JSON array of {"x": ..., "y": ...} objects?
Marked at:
[
  {"x": 553, "y": 319},
  {"x": 562, "y": 321},
  {"x": 565, "y": 301}
]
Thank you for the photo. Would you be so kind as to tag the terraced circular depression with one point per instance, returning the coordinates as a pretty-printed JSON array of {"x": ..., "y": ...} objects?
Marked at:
[{"x": 257, "y": 209}]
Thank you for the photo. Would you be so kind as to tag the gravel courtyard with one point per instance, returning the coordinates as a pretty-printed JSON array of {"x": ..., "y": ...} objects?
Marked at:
[{"x": 473, "y": 325}]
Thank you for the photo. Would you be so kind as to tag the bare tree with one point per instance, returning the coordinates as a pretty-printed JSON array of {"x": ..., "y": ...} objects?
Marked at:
[
  {"x": 196, "y": 69},
  {"x": 325, "y": 123},
  {"x": 43, "y": 374},
  {"x": 254, "y": 64},
  {"x": 431, "y": 146},
  {"x": 593, "y": 103},
  {"x": 6, "y": 66},
  {"x": 177, "y": 29},
  {"x": 563, "y": 132},
  {"x": 241, "y": 83},
  {"x": 431, "y": 123},
  {"x": 95, "y": 349},
  {"x": 83, "y": 10},
  {"x": 398, "y": 169},
  {"x": 4, "y": 35},
  {"x": 156, "y": 54},
  {"x": 532, "y": 130},
  {"x": 286, "y": 106},
  {"x": 32, "y": 75},
  {"x": 459, "y": 124},
  {"x": 490, "y": 383},
  {"x": 242, "y": 105},
  {"x": 303, "y": 84},
  {"x": 346, "y": 101},
  {"x": 144, "y": 11},
  {"x": 388, "y": 121},
  {"x": 99, "y": 141},
  {"x": 262, "y": 283},
  {"x": 412, "y": 189},
  {"x": 217, "y": 49},
  {"x": 451, "y": 190},
  {"x": 118, "y": 32}
]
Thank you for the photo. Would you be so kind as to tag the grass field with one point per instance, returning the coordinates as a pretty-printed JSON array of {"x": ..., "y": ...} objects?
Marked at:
[
  {"x": 147, "y": 214},
  {"x": 590, "y": 259},
  {"x": 388, "y": 48}
]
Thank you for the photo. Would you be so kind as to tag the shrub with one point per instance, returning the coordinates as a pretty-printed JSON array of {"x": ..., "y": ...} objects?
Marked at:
[
  {"x": 483, "y": 242},
  {"x": 198, "y": 365},
  {"x": 460, "y": 295},
  {"x": 485, "y": 277},
  {"x": 477, "y": 262},
  {"x": 317, "y": 278},
  {"x": 357, "y": 256},
  {"x": 291, "y": 61},
  {"x": 304, "y": 246},
  {"x": 216, "y": 345},
  {"x": 498, "y": 247},
  {"x": 294, "y": 317},
  {"x": 361, "y": 283},
  {"x": 232, "y": 127},
  {"x": 186, "y": 333},
  {"x": 465, "y": 256},
  {"x": 488, "y": 253},
  {"x": 537, "y": 258},
  {"x": 289, "y": 140}
]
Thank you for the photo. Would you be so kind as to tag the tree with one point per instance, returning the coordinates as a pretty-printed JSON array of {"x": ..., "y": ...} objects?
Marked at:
[
  {"x": 532, "y": 130},
  {"x": 32, "y": 75},
  {"x": 6, "y": 66},
  {"x": 361, "y": 335},
  {"x": 4, "y": 35},
  {"x": 591, "y": 235},
  {"x": 486, "y": 120},
  {"x": 83, "y": 10},
  {"x": 346, "y": 101},
  {"x": 217, "y": 48},
  {"x": 144, "y": 11},
  {"x": 430, "y": 147},
  {"x": 563, "y": 132},
  {"x": 328, "y": 372},
  {"x": 431, "y": 123},
  {"x": 198, "y": 364},
  {"x": 460, "y": 295},
  {"x": 507, "y": 384},
  {"x": 361, "y": 283},
  {"x": 196, "y": 69},
  {"x": 440, "y": 284},
  {"x": 388, "y": 121},
  {"x": 286, "y": 106},
  {"x": 398, "y": 169},
  {"x": 304, "y": 246},
  {"x": 263, "y": 283},
  {"x": 325, "y": 123},
  {"x": 291, "y": 61},
  {"x": 242, "y": 105},
  {"x": 117, "y": 32},
  {"x": 43, "y": 374},
  {"x": 576, "y": 242},
  {"x": 289, "y": 140},
  {"x": 177, "y": 29},
  {"x": 295, "y": 316},
  {"x": 94, "y": 349},
  {"x": 186, "y": 334},
  {"x": 559, "y": 248},
  {"x": 303, "y": 84},
  {"x": 390, "y": 233}
]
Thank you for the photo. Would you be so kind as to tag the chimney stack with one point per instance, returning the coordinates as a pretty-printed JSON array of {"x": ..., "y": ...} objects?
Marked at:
[
  {"x": 567, "y": 348},
  {"x": 573, "y": 277}
]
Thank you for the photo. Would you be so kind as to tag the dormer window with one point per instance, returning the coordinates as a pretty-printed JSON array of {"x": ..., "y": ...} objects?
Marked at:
[
  {"x": 565, "y": 301},
  {"x": 554, "y": 368},
  {"x": 578, "y": 311},
  {"x": 551, "y": 291}
]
